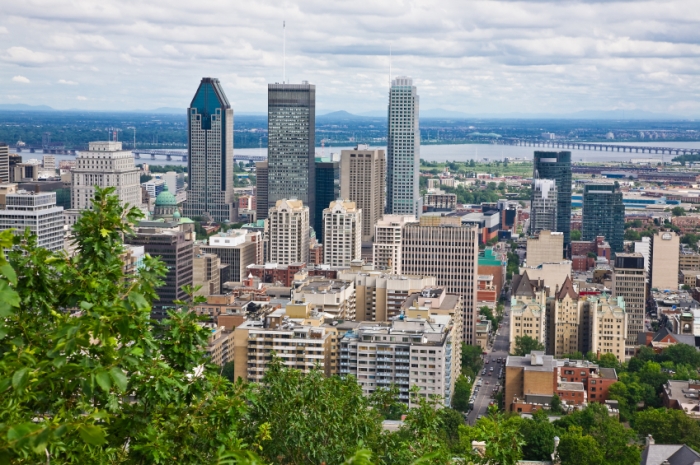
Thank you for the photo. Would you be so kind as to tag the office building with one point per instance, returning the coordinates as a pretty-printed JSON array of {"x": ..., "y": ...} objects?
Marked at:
[
  {"x": 689, "y": 260},
  {"x": 48, "y": 162},
  {"x": 528, "y": 310},
  {"x": 14, "y": 160},
  {"x": 104, "y": 164},
  {"x": 403, "y": 150},
  {"x": 236, "y": 248},
  {"x": 4, "y": 162},
  {"x": 363, "y": 180},
  {"x": 644, "y": 247},
  {"x": 342, "y": 228},
  {"x": 291, "y": 132},
  {"x": 386, "y": 249},
  {"x": 449, "y": 251},
  {"x": 38, "y": 213},
  {"x": 557, "y": 166},
  {"x": 154, "y": 187},
  {"x": 603, "y": 215},
  {"x": 288, "y": 238},
  {"x": 327, "y": 191},
  {"x": 210, "y": 162},
  {"x": 62, "y": 191},
  {"x": 608, "y": 325},
  {"x": 261, "y": 187},
  {"x": 665, "y": 250},
  {"x": 543, "y": 210},
  {"x": 546, "y": 247},
  {"x": 206, "y": 273},
  {"x": 175, "y": 181},
  {"x": 629, "y": 281}
]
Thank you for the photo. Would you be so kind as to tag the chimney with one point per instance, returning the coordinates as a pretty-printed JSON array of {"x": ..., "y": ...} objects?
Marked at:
[
  {"x": 649, "y": 440},
  {"x": 555, "y": 453}
]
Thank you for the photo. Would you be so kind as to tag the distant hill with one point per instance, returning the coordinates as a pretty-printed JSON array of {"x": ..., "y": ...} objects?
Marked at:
[
  {"x": 339, "y": 115},
  {"x": 441, "y": 113},
  {"x": 24, "y": 107}
]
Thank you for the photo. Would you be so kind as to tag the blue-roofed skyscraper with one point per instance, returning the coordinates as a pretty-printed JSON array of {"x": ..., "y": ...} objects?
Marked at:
[{"x": 210, "y": 161}]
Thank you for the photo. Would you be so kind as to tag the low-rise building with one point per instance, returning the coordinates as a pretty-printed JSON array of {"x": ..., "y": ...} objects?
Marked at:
[
  {"x": 334, "y": 297},
  {"x": 683, "y": 396}
]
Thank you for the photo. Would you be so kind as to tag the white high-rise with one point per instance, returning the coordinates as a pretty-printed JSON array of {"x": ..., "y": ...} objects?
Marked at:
[
  {"x": 288, "y": 235},
  {"x": 403, "y": 150},
  {"x": 39, "y": 213},
  {"x": 543, "y": 212},
  {"x": 342, "y": 233},
  {"x": 386, "y": 249}
]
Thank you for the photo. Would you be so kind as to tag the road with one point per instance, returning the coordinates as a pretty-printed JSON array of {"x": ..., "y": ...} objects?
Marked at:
[{"x": 501, "y": 347}]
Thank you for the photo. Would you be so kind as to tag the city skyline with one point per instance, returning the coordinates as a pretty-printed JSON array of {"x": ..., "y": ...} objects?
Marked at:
[{"x": 493, "y": 57}]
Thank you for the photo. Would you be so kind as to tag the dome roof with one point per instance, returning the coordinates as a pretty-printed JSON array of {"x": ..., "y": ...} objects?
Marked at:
[
  {"x": 165, "y": 198},
  {"x": 176, "y": 214}
]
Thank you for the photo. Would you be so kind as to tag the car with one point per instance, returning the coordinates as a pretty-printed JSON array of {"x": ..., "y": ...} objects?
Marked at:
[
  {"x": 483, "y": 372},
  {"x": 491, "y": 369},
  {"x": 487, "y": 381},
  {"x": 486, "y": 361},
  {"x": 479, "y": 417}
]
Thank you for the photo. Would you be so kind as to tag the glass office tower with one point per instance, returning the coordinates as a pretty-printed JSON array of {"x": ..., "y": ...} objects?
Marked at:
[
  {"x": 327, "y": 191},
  {"x": 603, "y": 215},
  {"x": 557, "y": 166}
]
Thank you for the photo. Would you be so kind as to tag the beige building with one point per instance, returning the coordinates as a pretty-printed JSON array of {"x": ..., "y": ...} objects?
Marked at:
[
  {"x": 689, "y": 261},
  {"x": 566, "y": 323},
  {"x": 342, "y": 233},
  {"x": 335, "y": 297},
  {"x": 483, "y": 331},
  {"x": 546, "y": 247},
  {"x": 236, "y": 249},
  {"x": 379, "y": 295},
  {"x": 690, "y": 277},
  {"x": 608, "y": 326},
  {"x": 288, "y": 232},
  {"x": 665, "y": 249},
  {"x": 386, "y": 250},
  {"x": 445, "y": 248},
  {"x": 438, "y": 302},
  {"x": 219, "y": 344},
  {"x": 205, "y": 273},
  {"x": 528, "y": 310},
  {"x": 363, "y": 180},
  {"x": 629, "y": 281},
  {"x": 553, "y": 274}
]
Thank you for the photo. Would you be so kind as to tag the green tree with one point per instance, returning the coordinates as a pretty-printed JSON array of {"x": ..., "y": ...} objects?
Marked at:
[
  {"x": 668, "y": 427},
  {"x": 576, "y": 449},
  {"x": 678, "y": 211},
  {"x": 471, "y": 359},
  {"x": 503, "y": 438},
  {"x": 460, "y": 399},
  {"x": 526, "y": 344},
  {"x": 556, "y": 404},
  {"x": 538, "y": 435},
  {"x": 227, "y": 371},
  {"x": 575, "y": 235}
]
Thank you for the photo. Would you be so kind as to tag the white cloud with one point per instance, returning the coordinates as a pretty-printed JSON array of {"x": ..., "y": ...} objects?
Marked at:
[
  {"x": 80, "y": 97},
  {"x": 25, "y": 57},
  {"x": 21, "y": 79},
  {"x": 3, "y": 30},
  {"x": 67, "y": 83}
]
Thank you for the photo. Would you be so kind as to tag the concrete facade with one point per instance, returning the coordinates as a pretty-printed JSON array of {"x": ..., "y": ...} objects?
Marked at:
[
  {"x": 665, "y": 249},
  {"x": 386, "y": 250},
  {"x": 342, "y": 232},
  {"x": 546, "y": 247},
  {"x": 363, "y": 181},
  {"x": 288, "y": 232}
]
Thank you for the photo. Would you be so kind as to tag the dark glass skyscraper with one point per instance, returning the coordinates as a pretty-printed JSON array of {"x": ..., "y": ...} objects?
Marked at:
[
  {"x": 291, "y": 131},
  {"x": 557, "y": 166},
  {"x": 210, "y": 162},
  {"x": 603, "y": 215},
  {"x": 327, "y": 190}
]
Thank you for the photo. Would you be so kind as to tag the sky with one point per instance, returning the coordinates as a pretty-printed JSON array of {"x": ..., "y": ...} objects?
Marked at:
[{"x": 477, "y": 57}]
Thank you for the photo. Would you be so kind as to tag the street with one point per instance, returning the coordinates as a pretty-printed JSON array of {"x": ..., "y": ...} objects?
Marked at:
[{"x": 500, "y": 349}]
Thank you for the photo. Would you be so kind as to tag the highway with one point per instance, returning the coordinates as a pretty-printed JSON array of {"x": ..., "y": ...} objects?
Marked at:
[{"x": 500, "y": 348}]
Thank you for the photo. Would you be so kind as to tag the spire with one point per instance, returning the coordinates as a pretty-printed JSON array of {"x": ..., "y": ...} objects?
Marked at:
[{"x": 567, "y": 289}]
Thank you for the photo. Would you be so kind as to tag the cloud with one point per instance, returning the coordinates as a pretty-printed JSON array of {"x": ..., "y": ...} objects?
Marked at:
[
  {"x": 3, "y": 30},
  {"x": 67, "y": 83},
  {"x": 21, "y": 79},
  {"x": 81, "y": 98},
  {"x": 25, "y": 57}
]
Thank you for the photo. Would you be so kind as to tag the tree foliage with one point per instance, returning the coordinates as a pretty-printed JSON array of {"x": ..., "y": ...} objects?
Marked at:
[{"x": 526, "y": 344}]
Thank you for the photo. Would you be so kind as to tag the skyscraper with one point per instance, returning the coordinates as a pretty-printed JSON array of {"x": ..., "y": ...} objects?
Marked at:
[
  {"x": 289, "y": 232},
  {"x": 603, "y": 215},
  {"x": 557, "y": 166},
  {"x": 665, "y": 252},
  {"x": 403, "y": 150},
  {"x": 363, "y": 180},
  {"x": 4, "y": 162},
  {"x": 629, "y": 281},
  {"x": 543, "y": 211},
  {"x": 327, "y": 191},
  {"x": 342, "y": 228},
  {"x": 210, "y": 165},
  {"x": 261, "y": 206},
  {"x": 291, "y": 132}
]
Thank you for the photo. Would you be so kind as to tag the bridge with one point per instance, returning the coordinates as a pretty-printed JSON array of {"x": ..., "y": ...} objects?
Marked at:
[
  {"x": 599, "y": 147},
  {"x": 181, "y": 154},
  {"x": 56, "y": 150}
]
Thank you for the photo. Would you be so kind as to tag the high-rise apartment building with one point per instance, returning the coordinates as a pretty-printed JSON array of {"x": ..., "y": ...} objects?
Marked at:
[
  {"x": 629, "y": 281},
  {"x": 603, "y": 215},
  {"x": 39, "y": 213},
  {"x": 342, "y": 230},
  {"x": 363, "y": 180},
  {"x": 546, "y": 247},
  {"x": 236, "y": 248},
  {"x": 291, "y": 132},
  {"x": 327, "y": 191},
  {"x": 543, "y": 211},
  {"x": 528, "y": 310},
  {"x": 288, "y": 236},
  {"x": 445, "y": 248},
  {"x": 334, "y": 297},
  {"x": 4, "y": 162},
  {"x": 210, "y": 162},
  {"x": 665, "y": 252},
  {"x": 386, "y": 249},
  {"x": 104, "y": 164},
  {"x": 566, "y": 323},
  {"x": 261, "y": 188},
  {"x": 403, "y": 150},
  {"x": 608, "y": 326},
  {"x": 557, "y": 166}
]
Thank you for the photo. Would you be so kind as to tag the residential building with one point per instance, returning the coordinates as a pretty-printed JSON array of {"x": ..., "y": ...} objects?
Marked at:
[
  {"x": 585, "y": 255},
  {"x": 486, "y": 291},
  {"x": 438, "y": 302},
  {"x": 546, "y": 247},
  {"x": 334, "y": 297},
  {"x": 261, "y": 187},
  {"x": 291, "y": 153},
  {"x": 206, "y": 273},
  {"x": 689, "y": 260},
  {"x": 363, "y": 180},
  {"x": 48, "y": 162},
  {"x": 543, "y": 210},
  {"x": 342, "y": 226},
  {"x": 665, "y": 249},
  {"x": 566, "y": 328},
  {"x": 37, "y": 212},
  {"x": 528, "y": 310},
  {"x": 289, "y": 232},
  {"x": 557, "y": 166},
  {"x": 237, "y": 248},
  {"x": 438, "y": 200},
  {"x": 445, "y": 248},
  {"x": 492, "y": 263},
  {"x": 603, "y": 215},
  {"x": 380, "y": 295},
  {"x": 608, "y": 325},
  {"x": 275, "y": 273},
  {"x": 386, "y": 250},
  {"x": 210, "y": 154},
  {"x": 667, "y": 454},
  {"x": 327, "y": 191},
  {"x": 483, "y": 333},
  {"x": 551, "y": 274},
  {"x": 4, "y": 162},
  {"x": 629, "y": 281},
  {"x": 219, "y": 344},
  {"x": 644, "y": 247},
  {"x": 683, "y": 396},
  {"x": 403, "y": 150}
]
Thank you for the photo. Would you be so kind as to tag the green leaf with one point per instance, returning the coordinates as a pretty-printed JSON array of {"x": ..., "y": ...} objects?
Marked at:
[
  {"x": 104, "y": 232},
  {"x": 119, "y": 378},
  {"x": 93, "y": 435},
  {"x": 138, "y": 300},
  {"x": 103, "y": 380},
  {"x": 20, "y": 378},
  {"x": 9, "y": 273},
  {"x": 59, "y": 361}
]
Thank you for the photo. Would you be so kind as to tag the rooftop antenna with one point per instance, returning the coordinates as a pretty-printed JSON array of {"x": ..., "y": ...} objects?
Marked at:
[{"x": 284, "y": 52}]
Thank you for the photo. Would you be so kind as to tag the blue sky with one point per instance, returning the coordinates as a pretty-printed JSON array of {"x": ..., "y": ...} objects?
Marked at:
[{"x": 479, "y": 57}]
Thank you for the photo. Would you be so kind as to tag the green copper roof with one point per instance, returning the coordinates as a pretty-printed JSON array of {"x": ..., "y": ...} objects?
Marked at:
[
  {"x": 165, "y": 198},
  {"x": 488, "y": 258}
]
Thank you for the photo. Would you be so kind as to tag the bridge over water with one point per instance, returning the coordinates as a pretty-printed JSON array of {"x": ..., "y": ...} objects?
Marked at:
[{"x": 600, "y": 147}]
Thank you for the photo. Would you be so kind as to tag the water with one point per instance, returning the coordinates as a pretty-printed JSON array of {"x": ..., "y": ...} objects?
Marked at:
[{"x": 459, "y": 152}]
